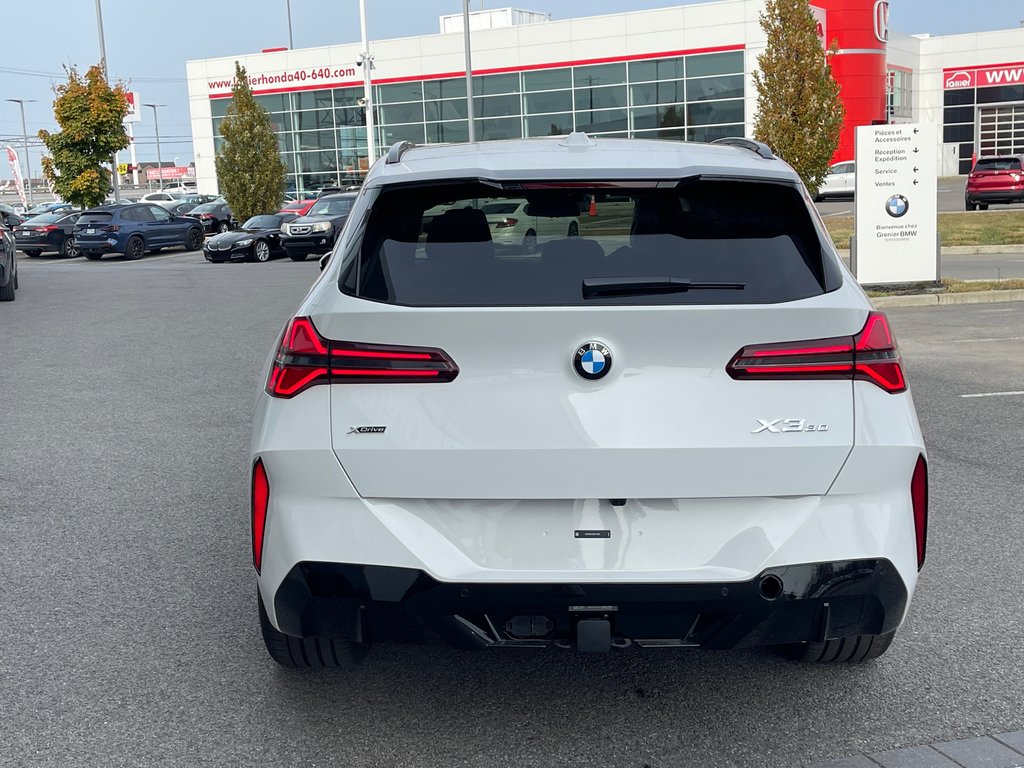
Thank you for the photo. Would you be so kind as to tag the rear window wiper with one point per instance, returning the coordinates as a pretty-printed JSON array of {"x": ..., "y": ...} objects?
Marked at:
[{"x": 599, "y": 287}]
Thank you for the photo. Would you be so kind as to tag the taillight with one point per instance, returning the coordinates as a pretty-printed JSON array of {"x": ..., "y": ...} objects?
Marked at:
[
  {"x": 260, "y": 499},
  {"x": 919, "y": 498},
  {"x": 871, "y": 355},
  {"x": 305, "y": 358},
  {"x": 48, "y": 228},
  {"x": 505, "y": 223},
  {"x": 111, "y": 228}
]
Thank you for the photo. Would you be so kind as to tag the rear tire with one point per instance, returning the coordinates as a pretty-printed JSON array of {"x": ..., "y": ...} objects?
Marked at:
[
  {"x": 194, "y": 240},
  {"x": 7, "y": 291},
  {"x": 134, "y": 248},
  {"x": 67, "y": 248},
  {"x": 32, "y": 253},
  {"x": 306, "y": 653},
  {"x": 530, "y": 242},
  {"x": 842, "y": 649},
  {"x": 93, "y": 256},
  {"x": 223, "y": 227},
  {"x": 970, "y": 206},
  {"x": 297, "y": 256},
  {"x": 982, "y": 206},
  {"x": 574, "y": 229}
]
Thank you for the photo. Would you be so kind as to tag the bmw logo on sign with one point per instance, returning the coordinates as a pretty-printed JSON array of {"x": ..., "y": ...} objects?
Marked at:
[
  {"x": 897, "y": 206},
  {"x": 592, "y": 360}
]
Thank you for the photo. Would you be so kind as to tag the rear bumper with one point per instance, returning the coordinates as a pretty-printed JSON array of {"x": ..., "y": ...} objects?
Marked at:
[
  {"x": 1014, "y": 195},
  {"x": 99, "y": 246},
  {"x": 790, "y": 604}
]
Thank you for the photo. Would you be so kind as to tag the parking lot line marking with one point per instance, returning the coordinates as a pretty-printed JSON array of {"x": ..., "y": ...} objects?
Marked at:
[
  {"x": 1000, "y": 338},
  {"x": 995, "y": 394},
  {"x": 838, "y": 213}
]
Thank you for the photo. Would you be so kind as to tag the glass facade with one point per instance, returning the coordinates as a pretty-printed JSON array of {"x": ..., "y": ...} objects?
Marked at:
[{"x": 322, "y": 134}]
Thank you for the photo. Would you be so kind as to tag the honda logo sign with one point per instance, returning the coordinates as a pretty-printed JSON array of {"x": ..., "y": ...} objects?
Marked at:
[{"x": 881, "y": 16}]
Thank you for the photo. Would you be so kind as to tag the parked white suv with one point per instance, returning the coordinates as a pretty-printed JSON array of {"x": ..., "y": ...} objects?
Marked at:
[{"x": 682, "y": 426}]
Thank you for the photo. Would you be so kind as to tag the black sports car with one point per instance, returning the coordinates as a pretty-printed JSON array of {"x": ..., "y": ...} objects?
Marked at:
[{"x": 259, "y": 239}]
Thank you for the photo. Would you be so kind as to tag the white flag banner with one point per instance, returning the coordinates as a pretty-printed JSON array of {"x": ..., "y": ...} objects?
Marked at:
[{"x": 12, "y": 158}]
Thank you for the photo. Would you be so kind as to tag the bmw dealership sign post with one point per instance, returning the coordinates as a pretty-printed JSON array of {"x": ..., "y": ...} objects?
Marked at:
[{"x": 896, "y": 204}]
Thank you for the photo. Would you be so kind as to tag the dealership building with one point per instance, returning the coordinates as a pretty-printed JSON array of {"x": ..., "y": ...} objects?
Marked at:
[{"x": 680, "y": 72}]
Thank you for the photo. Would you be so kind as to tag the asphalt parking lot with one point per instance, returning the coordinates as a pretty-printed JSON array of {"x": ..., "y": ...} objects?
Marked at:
[{"x": 126, "y": 394}]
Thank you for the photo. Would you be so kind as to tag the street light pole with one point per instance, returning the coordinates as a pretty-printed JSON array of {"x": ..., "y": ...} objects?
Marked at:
[
  {"x": 106, "y": 76},
  {"x": 469, "y": 70},
  {"x": 291, "y": 43},
  {"x": 24, "y": 135},
  {"x": 367, "y": 62},
  {"x": 156, "y": 127}
]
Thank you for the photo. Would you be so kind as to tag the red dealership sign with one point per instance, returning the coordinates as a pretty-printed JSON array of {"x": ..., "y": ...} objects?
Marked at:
[
  {"x": 170, "y": 172},
  {"x": 983, "y": 77}
]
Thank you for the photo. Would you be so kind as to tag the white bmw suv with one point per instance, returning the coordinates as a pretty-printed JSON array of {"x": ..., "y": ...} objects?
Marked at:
[{"x": 680, "y": 425}]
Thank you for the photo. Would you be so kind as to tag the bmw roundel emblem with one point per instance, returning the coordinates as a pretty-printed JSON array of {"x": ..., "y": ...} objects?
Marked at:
[
  {"x": 897, "y": 206},
  {"x": 592, "y": 360}
]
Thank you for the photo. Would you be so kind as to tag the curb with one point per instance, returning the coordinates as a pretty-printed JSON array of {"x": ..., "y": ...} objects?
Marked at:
[
  {"x": 964, "y": 250},
  {"x": 935, "y": 299}
]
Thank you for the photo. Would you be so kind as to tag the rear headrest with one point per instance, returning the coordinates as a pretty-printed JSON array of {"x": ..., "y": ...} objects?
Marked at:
[{"x": 460, "y": 225}]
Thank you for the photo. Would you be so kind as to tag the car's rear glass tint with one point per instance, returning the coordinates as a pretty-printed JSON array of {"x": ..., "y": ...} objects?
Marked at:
[
  {"x": 206, "y": 208},
  {"x": 46, "y": 218},
  {"x": 457, "y": 245},
  {"x": 998, "y": 164},
  {"x": 95, "y": 217}
]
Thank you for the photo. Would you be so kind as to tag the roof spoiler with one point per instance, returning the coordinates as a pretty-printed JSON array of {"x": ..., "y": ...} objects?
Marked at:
[{"x": 758, "y": 147}]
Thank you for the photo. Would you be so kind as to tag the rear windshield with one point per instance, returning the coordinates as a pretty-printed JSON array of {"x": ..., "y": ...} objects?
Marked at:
[
  {"x": 572, "y": 244},
  {"x": 47, "y": 218},
  {"x": 206, "y": 208},
  {"x": 95, "y": 217},
  {"x": 998, "y": 164}
]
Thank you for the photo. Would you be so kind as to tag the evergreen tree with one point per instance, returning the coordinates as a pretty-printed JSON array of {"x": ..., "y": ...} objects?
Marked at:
[
  {"x": 799, "y": 112},
  {"x": 249, "y": 168},
  {"x": 90, "y": 114}
]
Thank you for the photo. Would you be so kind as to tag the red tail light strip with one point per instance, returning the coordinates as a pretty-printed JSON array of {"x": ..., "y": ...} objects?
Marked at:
[
  {"x": 871, "y": 356},
  {"x": 260, "y": 500},
  {"x": 305, "y": 358}
]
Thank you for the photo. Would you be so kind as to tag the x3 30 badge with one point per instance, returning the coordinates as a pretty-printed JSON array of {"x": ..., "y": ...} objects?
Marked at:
[{"x": 788, "y": 425}]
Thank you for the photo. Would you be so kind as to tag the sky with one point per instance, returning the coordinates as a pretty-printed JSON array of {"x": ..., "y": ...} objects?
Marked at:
[{"x": 149, "y": 41}]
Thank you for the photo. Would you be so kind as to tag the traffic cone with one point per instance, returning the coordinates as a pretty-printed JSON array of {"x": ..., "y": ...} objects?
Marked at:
[{"x": 593, "y": 206}]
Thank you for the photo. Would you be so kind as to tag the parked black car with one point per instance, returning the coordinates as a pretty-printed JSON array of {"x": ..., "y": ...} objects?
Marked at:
[
  {"x": 8, "y": 265},
  {"x": 258, "y": 239},
  {"x": 215, "y": 217},
  {"x": 317, "y": 231},
  {"x": 134, "y": 230},
  {"x": 48, "y": 233}
]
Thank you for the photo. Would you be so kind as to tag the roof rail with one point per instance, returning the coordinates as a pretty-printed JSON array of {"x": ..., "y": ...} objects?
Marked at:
[
  {"x": 397, "y": 150},
  {"x": 758, "y": 147}
]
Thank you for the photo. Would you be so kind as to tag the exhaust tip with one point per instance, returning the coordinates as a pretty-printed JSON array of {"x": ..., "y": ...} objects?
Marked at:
[{"x": 771, "y": 587}]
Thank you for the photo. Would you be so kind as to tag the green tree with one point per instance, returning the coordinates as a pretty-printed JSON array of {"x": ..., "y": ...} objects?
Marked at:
[
  {"x": 90, "y": 114},
  {"x": 249, "y": 168},
  {"x": 799, "y": 113}
]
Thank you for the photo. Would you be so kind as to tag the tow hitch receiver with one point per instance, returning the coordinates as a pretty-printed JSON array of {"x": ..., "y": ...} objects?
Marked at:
[{"x": 593, "y": 635}]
